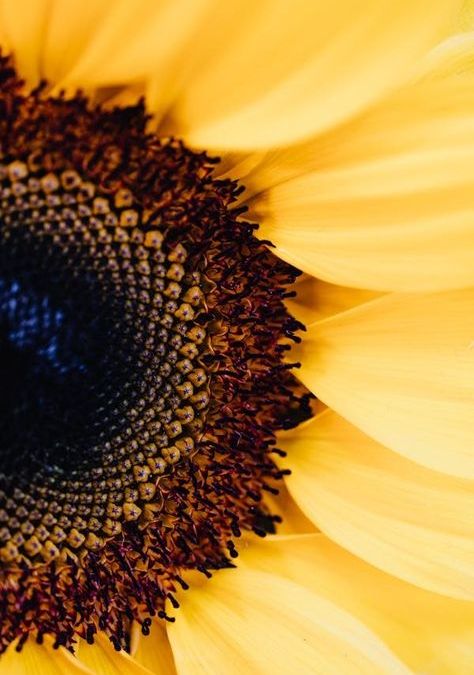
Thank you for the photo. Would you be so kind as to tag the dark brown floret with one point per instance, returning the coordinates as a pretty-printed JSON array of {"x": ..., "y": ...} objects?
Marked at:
[{"x": 141, "y": 329}]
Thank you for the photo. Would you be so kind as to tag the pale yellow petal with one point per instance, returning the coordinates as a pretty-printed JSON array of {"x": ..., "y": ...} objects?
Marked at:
[
  {"x": 316, "y": 299},
  {"x": 387, "y": 201},
  {"x": 103, "y": 659},
  {"x": 153, "y": 651},
  {"x": 401, "y": 368},
  {"x": 432, "y": 634},
  {"x": 35, "y": 659},
  {"x": 246, "y": 621},
  {"x": 276, "y": 71},
  {"x": 412, "y": 522}
]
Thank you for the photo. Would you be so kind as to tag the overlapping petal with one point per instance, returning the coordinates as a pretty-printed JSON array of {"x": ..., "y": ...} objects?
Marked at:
[
  {"x": 102, "y": 659},
  {"x": 288, "y": 70},
  {"x": 401, "y": 368},
  {"x": 35, "y": 659},
  {"x": 430, "y": 633},
  {"x": 123, "y": 47},
  {"x": 293, "y": 520},
  {"x": 250, "y": 621},
  {"x": 412, "y": 522},
  {"x": 387, "y": 201},
  {"x": 315, "y": 300},
  {"x": 153, "y": 651}
]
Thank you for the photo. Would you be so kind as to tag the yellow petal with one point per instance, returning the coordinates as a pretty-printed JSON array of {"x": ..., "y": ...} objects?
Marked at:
[
  {"x": 24, "y": 25},
  {"x": 246, "y": 621},
  {"x": 133, "y": 41},
  {"x": 153, "y": 651},
  {"x": 269, "y": 73},
  {"x": 387, "y": 201},
  {"x": 71, "y": 27},
  {"x": 316, "y": 299},
  {"x": 35, "y": 659},
  {"x": 450, "y": 59},
  {"x": 102, "y": 658},
  {"x": 293, "y": 520},
  {"x": 432, "y": 634},
  {"x": 408, "y": 520},
  {"x": 401, "y": 368},
  {"x": 464, "y": 21},
  {"x": 48, "y": 39}
]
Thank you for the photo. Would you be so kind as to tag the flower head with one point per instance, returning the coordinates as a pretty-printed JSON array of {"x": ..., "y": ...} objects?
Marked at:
[{"x": 166, "y": 174}]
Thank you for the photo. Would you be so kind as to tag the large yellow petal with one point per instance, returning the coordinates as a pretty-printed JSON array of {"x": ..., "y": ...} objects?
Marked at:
[
  {"x": 35, "y": 659},
  {"x": 247, "y": 621},
  {"x": 401, "y": 368},
  {"x": 432, "y": 634},
  {"x": 272, "y": 72},
  {"x": 410, "y": 521},
  {"x": 153, "y": 651},
  {"x": 387, "y": 201},
  {"x": 102, "y": 658}
]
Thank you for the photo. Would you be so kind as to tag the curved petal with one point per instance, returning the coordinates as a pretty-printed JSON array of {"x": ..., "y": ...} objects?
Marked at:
[
  {"x": 316, "y": 299},
  {"x": 430, "y": 633},
  {"x": 247, "y": 621},
  {"x": 154, "y": 650},
  {"x": 102, "y": 658},
  {"x": 407, "y": 520},
  {"x": 35, "y": 659},
  {"x": 386, "y": 202},
  {"x": 401, "y": 368},
  {"x": 293, "y": 520},
  {"x": 286, "y": 70}
]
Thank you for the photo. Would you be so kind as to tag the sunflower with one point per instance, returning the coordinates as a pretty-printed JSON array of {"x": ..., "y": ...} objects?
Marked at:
[{"x": 236, "y": 294}]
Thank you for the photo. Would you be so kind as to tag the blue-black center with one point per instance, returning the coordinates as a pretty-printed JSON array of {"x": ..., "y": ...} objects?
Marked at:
[{"x": 63, "y": 380}]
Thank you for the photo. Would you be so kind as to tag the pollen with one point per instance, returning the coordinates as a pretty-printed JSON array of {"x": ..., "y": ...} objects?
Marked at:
[{"x": 142, "y": 336}]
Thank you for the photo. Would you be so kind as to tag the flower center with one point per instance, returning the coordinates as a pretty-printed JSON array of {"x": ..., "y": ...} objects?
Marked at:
[
  {"x": 101, "y": 346},
  {"x": 141, "y": 327}
]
